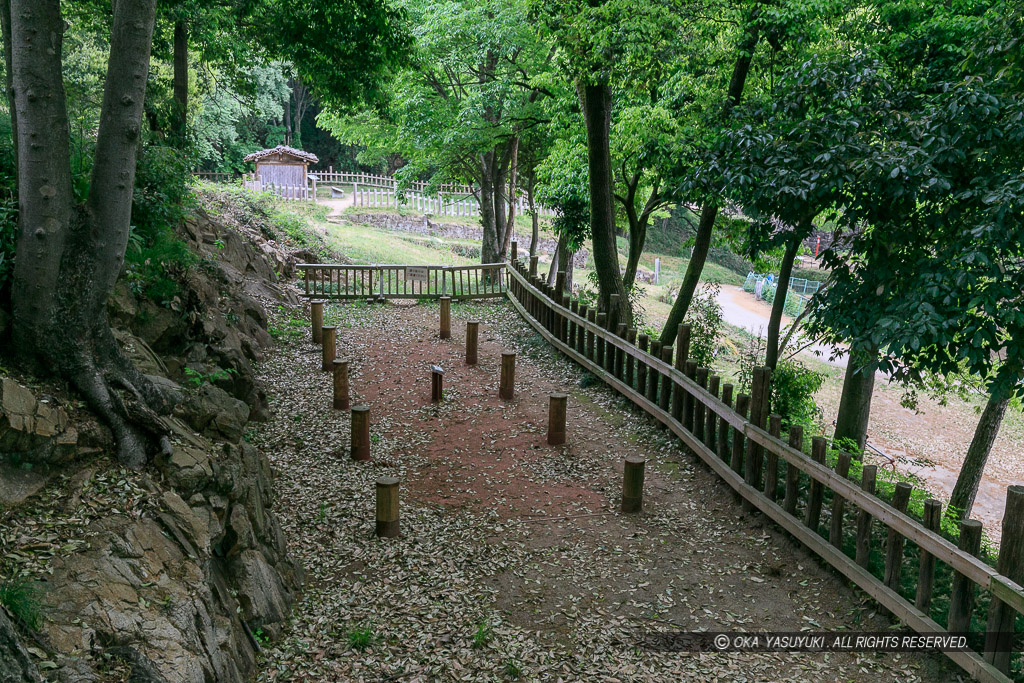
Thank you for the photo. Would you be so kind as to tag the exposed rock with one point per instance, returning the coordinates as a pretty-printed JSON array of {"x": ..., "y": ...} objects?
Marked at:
[
  {"x": 214, "y": 412},
  {"x": 16, "y": 665},
  {"x": 18, "y": 484},
  {"x": 33, "y": 430}
]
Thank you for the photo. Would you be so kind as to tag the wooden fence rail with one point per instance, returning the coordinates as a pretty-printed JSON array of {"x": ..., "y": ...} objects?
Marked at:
[
  {"x": 604, "y": 348},
  {"x": 340, "y": 281}
]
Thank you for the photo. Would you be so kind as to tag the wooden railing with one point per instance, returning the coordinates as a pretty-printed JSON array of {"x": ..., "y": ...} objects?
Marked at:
[
  {"x": 340, "y": 281},
  {"x": 292, "y": 193},
  {"x": 742, "y": 444}
]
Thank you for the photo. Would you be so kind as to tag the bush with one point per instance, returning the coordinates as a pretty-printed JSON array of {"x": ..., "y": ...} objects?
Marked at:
[
  {"x": 793, "y": 388},
  {"x": 21, "y": 598},
  {"x": 705, "y": 319}
]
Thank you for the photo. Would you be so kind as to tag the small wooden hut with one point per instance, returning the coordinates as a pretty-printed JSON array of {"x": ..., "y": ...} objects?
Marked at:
[{"x": 282, "y": 166}]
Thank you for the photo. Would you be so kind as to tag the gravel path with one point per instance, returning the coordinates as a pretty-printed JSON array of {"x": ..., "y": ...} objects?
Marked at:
[{"x": 499, "y": 575}]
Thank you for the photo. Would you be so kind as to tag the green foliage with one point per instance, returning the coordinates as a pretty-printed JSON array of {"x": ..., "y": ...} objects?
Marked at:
[
  {"x": 484, "y": 634},
  {"x": 198, "y": 378},
  {"x": 513, "y": 669},
  {"x": 21, "y": 597},
  {"x": 360, "y": 637},
  {"x": 705, "y": 319},
  {"x": 793, "y": 389}
]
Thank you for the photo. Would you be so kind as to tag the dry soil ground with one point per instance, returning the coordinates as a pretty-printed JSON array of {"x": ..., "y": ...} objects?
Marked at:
[{"x": 514, "y": 559}]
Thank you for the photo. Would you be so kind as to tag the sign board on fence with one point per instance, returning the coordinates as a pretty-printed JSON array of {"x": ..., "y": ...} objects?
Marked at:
[{"x": 416, "y": 273}]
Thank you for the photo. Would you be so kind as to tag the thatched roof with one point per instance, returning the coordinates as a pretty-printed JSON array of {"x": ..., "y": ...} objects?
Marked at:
[{"x": 283, "y": 151}]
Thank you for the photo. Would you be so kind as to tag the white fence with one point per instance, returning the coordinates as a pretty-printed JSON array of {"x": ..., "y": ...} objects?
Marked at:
[
  {"x": 435, "y": 204},
  {"x": 292, "y": 193}
]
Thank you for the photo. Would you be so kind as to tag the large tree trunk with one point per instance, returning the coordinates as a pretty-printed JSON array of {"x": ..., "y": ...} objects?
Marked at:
[
  {"x": 510, "y": 223},
  {"x": 179, "y": 122},
  {"x": 855, "y": 400},
  {"x": 597, "y": 111},
  {"x": 771, "y": 358},
  {"x": 68, "y": 256},
  {"x": 966, "y": 488},
  {"x": 534, "y": 216},
  {"x": 489, "y": 249},
  {"x": 702, "y": 240}
]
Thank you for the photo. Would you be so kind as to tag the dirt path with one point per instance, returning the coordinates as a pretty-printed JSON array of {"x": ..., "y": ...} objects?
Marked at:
[
  {"x": 337, "y": 205},
  {"x": 498, "y": 572}
]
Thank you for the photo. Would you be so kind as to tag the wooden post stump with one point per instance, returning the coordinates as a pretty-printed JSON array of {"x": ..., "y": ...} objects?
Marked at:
[
  {"x": 387, "y": 508},
  {"x": 556, "y": 419},
  {"x": 328, "y": 348},
  {"x": 961, "y": 597},
  {"x": 446, "y": 317},
  {"x": 633, "y": 484},
  {"x": 360, "y": 432},
  {"x": 711, "y": 418},
  {"x": 533, "y": 265},
  {"x": 472, "y": 339},
  {"x": 436, "y": 383},
  {"x": 796, "y": 440},
  {"x": 316, "y": 309},
  {"x": 835, "y": 529},
  {"x": 723, "y": 425},
  {"x": 736, "y": 459},
  {"x": 1001, "y": 617},
  {"x": 868, "y": 478},
  {"x": 341, "y": 385},
  {"x": 771, "y": 472},
  {"x": 926, "y": 566},
  {"x": 816, "y": 495},
  {"x": 895, "y": 542},
  {"x": 507, "y": 386}
]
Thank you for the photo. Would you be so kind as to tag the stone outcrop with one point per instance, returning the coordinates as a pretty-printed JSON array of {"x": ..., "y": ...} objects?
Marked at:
[{"x": 172, "y": 581}]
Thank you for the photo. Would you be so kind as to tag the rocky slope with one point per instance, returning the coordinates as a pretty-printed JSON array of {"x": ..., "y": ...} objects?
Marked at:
[{"x": 178, "y": 572}]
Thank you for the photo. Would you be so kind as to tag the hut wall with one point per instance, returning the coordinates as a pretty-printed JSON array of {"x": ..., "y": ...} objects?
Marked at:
[{"x": 282, "y": 173}]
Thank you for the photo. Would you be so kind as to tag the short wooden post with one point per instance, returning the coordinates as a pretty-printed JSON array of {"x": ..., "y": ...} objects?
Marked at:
[
  {"x": 513, "y": 248},
  {"x": 620, "y": 355},
  {"x": 894, "y": 542},
  {"x": 698, "y": 405},
  {"x": 533, "y": 265},
  {"x": 771, "y": 470},
  {"x": 328, "y": 349},
  {"x": 556, "y": 419},
  {"x": 736, "y": 462},
  {"x": 759, "y": 417},
  {"x": 710, "y": 423},
  {"x": 796, "y": 440},
  {"x": 835, "y": 529},
  {"x": 436, "y": 383},
  {"x": 591, "y": 350},
  {"x": 680, "y": 396},
  {"x": 574, "y": 308},
  {"x": 961, "y": 597},
  {"x": 446, "y": 317},
  {"x": 653, "y": 374},
  {"x": 341, "y": 385},
  {"x": 360, "y": 432},
  {"x": 602, "y": 322},
  {"x": 926, "y": 566},
  {"x": 689, "y": 402},
  {"x": 814, "y": 498},
  {"x": 507, "y": 386},
  {"x": 641, "y": 367},
  {"x": 387, "y": 508},
  {"x": 666, "y": 382},
  {"x": 633, "y": 484},
  {"x": 868, "y": 478},
  {"x": 1001, "y": 617},
  {"x": 316, "y": 309},
  {"x": 723, "y": 424},
  {"x": 630, "y": 361},
  {"x": 559, "y": 282},
  {"x": 472, "y": 338}
]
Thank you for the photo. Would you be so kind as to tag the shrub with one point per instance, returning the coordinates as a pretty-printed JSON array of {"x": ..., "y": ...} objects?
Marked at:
[
  {"x": 20, "y": 596},
  {"x": 705, "y": 319},
  {"x": 793, "y": 388}
]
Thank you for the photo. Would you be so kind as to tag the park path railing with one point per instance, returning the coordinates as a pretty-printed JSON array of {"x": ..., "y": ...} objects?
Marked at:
[
  {"x": 830, "y": 513},
  {"x": 341, "y": 281}
]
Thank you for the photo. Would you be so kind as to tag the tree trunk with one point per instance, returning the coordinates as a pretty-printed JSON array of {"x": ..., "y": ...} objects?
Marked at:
[
  {"x": 771, "y": 358},
  {"x": 597, "y": 109},
  {"x": 855, "y": 401},
  {"x": 966, "y": 489},
  {"x": 556, "y": 260},
  {"x": 637, "y": 228},
  {"x": 534, "y": 216},
  {"x": 179, "y": 123},
  {"x": 489, "y": 249},
  {"x": 702, "y": 240},
  {"x": 69, "y": 256},
  {"x": 512, "y": 177}
]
